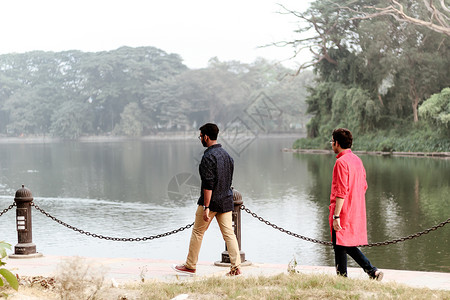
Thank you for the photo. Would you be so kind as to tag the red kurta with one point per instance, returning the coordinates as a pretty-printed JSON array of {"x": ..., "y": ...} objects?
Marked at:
[{"x": 349, "y": 182}]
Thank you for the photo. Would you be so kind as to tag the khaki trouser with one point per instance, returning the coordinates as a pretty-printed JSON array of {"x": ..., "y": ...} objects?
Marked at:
[{"x": 226, "y": 227}]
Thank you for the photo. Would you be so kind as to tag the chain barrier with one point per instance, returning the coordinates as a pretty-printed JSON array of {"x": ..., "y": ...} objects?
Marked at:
[
  {"x": 242, "y": 207},
  {"x": 409, "y": 237},
  {"x": 152, "y": 237},
  {"x": 7, "y": 209}
]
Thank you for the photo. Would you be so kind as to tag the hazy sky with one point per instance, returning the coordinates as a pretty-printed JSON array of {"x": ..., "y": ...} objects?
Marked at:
[{"x": 195, "y": 29}]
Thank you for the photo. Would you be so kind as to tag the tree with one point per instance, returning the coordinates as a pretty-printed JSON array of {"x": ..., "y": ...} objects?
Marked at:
[
  {"x": 413, "y": 58},
  {"x": 391, "y": 66},
  {"x": 131, "y": 91},
  {"x": 35, "y": 85},
  {"x": 436, "y": 20},
  {"x": 321, "y": 28},
  {"x": 289, "y": 94},
  {"x": 115, "y": 78},
  {"x": 132, "y": 121},
  {"x": 194, "y": 97},
  {"x": 436, "y": 110},
  {"x": 30, "y": 110},
  {"x": 69, "y": 121},
  {"x": 408, "y": 64}
]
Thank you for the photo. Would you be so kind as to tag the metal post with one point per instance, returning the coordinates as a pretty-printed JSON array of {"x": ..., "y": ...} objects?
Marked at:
[
  {"x": 25, "y": 247},
  {"x": 237, "y": 199}
]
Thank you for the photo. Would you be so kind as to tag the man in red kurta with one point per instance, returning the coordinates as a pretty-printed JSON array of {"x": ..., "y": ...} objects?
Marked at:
[{"x": 348, "y": 206}]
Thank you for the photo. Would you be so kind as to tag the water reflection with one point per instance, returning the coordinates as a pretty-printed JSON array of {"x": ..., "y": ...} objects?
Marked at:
[{"x": 121, "y": 190}]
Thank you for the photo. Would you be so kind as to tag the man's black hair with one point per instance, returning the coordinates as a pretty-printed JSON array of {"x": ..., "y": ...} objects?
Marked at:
[
  {"x": 210, "y": 130},
  {"x": 344, "y": 137}
]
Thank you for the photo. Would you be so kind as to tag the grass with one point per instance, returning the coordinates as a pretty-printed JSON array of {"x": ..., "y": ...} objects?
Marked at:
[
  {"x": 404, "y": 140},
  {"x": 285, "y": 286}
]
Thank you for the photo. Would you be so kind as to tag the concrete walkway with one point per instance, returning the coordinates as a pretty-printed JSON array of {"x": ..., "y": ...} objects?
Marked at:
[{"x": 120, "y": 270}]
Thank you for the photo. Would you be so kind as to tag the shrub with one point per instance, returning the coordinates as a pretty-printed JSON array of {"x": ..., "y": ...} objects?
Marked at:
[
  {"x": 78, "y": 280},
  {"x": 6, "y": 274}
]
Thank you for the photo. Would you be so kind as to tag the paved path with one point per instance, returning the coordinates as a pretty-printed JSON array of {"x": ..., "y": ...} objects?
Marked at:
[{"x": 132, "y": 269}]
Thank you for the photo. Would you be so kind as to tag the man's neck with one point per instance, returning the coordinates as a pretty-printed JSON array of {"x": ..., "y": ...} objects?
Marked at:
[
  {"x": 342, "y": 149},
  {"x": 211, "y": 143}
]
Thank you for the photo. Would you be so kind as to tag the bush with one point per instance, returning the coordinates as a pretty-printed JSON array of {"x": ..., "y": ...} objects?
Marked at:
[
  {"x": 418, "y": 138},
  {"x": 7, "y": 275},
  {"x": 307, "y": 143},
  {"x": 78, "y": 280}
]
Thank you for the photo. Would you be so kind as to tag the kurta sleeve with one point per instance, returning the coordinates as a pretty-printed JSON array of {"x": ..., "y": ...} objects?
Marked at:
[{"x": 340, "y": 175}]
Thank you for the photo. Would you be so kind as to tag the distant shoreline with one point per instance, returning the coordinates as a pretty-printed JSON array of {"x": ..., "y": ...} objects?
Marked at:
[
  {"x": 100, "y": 139},
  {"x": 380, "y": 153}
]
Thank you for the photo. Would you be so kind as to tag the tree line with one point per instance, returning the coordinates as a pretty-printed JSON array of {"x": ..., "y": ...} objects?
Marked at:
[
  {"x": 381, "y": 67},
  {"x": 136, "y": 92}
]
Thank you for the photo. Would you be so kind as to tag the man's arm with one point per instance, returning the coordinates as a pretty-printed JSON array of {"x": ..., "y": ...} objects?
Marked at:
[
  {"x": 337, "y": 212},
  {"x": 206, "y": 200}
]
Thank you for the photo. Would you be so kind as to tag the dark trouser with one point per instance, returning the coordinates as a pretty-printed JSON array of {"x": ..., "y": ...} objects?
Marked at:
[{"x": 340, "y": 258}]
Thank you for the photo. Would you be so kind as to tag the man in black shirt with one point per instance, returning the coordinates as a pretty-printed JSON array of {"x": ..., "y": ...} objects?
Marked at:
[{"x": 216, "y": 200}]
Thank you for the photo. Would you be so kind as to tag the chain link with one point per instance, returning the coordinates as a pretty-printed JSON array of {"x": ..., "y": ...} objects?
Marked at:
[
  {"x": 7, "y": 209},
  {"x": 409, "y": 237},
  {"x": 284, "y": 230},
  {"x": 152, "y": 237}
]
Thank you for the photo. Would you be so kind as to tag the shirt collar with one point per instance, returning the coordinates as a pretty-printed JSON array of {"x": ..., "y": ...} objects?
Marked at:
[
  {"x": 213, "y": 146},
  {"x": 344, "y": 152}
]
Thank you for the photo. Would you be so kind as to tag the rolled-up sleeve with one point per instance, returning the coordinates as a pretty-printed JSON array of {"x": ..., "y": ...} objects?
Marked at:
[{"x": 207, "y": 173}]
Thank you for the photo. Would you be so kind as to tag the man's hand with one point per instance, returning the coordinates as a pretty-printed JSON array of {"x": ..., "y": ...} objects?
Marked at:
[
  {"x": 206, "y": 215},
  {"x": 337, "y": 225}
]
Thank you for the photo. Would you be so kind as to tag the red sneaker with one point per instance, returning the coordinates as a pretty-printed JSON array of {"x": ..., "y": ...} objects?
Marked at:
[
  {"x": 234, "y": 272},
  {"x": 183, "y": 269}
]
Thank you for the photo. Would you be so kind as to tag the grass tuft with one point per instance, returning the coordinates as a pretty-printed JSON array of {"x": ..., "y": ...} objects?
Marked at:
[{"x": 77, "y": 279}]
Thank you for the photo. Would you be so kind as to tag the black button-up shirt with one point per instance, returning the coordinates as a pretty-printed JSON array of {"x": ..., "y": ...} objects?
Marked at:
[{"x": 216, "y": 172}]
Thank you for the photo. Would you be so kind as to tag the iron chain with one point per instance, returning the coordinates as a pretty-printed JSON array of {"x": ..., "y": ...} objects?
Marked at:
[
  {"x": 242, "y": 207},
  {"x": 7, "y": 209},
  {"x": 409, "y": 237},
  {"x": 152, "y": 237},
  {"x": 284, "y": 230}
]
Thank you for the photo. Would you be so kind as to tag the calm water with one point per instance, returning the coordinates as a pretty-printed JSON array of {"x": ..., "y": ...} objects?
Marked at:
[{"x": 138, "y": 189}]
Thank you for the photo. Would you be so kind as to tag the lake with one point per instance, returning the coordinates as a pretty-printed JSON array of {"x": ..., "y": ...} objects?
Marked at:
[{"x": 132, "y": 189}]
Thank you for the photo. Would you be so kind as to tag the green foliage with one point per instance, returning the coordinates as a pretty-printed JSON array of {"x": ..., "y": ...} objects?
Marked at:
[
  {"x": 371, "y": 73},
  {"x": 69, "y": 120},
  {"x": 419, "y": 138},
  {"x": 7, "y": 275},
  {"x": 436, "y": 110},
  {"x": 312, "y": 143},
  {"x": 353, "y": 108},
  {"x": 320, "y": 103},
  {"x": 39, "y": 90},
  {"x": 136, "y": 92},
  {"x": 404, "y": 140},
  {"x": 132, "y": 121}
]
